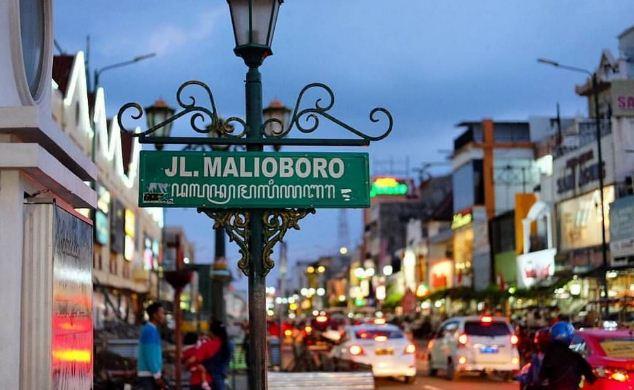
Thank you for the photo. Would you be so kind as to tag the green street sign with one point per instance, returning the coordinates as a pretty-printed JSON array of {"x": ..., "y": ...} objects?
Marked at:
[{"x": 254, "y": 180}]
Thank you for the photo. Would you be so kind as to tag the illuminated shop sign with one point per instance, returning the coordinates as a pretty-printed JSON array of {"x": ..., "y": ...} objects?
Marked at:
[
  {"x": 441, "y": 275},
  {"x": 461, "y": 219},
  {"x": 535, "y": 266},
  {"x": 103, "y": 199},
  {"x": 580, "y": 219},
  {"x": 102, "y": 228},
  {"x": 129, "y": 228},
  {"x": 388, "y": 186},
  {"x": 102, "y": 232}
]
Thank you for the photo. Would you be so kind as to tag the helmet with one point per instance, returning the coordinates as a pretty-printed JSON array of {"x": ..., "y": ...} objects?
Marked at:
[
  {"x": 562, "y": 332},
  {"x": 542, "y": 338}
]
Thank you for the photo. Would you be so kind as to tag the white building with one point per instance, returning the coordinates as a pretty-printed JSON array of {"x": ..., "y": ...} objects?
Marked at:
[
  {"x": 127, "y": 238},
  {"x": 40, "y": 164}
]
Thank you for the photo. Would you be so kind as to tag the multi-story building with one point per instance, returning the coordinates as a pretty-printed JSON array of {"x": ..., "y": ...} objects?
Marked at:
[
  {"x": 127, "y": 238},
  {"x": 434, "y": 210},
  {"x": 492, "y": 162}
]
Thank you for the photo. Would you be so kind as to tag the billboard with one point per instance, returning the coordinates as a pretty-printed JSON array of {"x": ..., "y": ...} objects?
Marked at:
[
  {"x": 535, "y": 266},
  {"x": 71, "y": 344},
  {"x": 622, "y": 97},
  {"x": 622, "y": 227}
]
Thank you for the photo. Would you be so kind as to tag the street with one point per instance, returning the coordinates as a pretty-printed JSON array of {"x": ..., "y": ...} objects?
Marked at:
[{"x": 427, "y": 383}]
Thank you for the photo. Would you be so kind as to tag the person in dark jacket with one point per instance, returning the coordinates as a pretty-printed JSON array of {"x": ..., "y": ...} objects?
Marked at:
[{"x": 563, "y": 368}]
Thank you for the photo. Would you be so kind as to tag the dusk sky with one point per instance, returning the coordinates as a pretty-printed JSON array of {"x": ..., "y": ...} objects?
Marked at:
[{"x": 432, "y": 63}]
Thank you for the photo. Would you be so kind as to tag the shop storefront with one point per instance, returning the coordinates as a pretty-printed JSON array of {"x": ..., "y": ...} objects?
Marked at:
[{"x": 471, "y": 248}]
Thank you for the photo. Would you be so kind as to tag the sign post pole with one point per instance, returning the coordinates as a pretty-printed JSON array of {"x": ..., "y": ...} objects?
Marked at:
[
  {"x": 256, "y": 358},
  {"x": 256, "y": 210}
]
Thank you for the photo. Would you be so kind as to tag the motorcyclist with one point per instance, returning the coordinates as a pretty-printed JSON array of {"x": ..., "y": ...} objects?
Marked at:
[
  {"x": 529, "y": 378},
  {"x": 562, "y": 368}
]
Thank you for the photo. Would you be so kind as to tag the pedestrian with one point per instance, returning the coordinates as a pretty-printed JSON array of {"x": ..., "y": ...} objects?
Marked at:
[
  {"x": 196, "y": 351},
  {"x": 530, "y": 380},
  {"x": 149, "y": 353},
  {"x": 562, "y": 368},
  {"x": 218, "y": 364}
]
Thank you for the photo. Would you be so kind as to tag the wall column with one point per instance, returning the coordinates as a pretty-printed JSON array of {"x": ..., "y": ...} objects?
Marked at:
[{"x": 11, "y": 233}]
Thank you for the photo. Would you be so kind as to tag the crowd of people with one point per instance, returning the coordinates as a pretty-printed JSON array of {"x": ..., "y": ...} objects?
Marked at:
[{"x": 206, "y": 357}]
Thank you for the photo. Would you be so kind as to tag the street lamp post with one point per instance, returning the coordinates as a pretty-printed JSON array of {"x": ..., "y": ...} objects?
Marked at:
[
  {"x": 597, "y": 121},
  {"x": 134, "y": 60},
  {"x": 257, "y": 229}
]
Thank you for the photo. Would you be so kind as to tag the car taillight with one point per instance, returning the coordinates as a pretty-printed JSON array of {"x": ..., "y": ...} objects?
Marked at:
[
  {"x": 410, "y": 349},
  {"x": 514, "y": 339},
  {"x": 355, "y": 350},
  {"x": 486, "y": 319},
  {"x": 619, "y": 376},
  {"x": 612, "y": 374},
  {"x": 463, "y": 338}
]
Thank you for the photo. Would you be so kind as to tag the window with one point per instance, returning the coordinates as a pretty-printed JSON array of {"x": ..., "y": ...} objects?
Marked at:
[
  {"x": 448, "y": 329},
  {"x": 32, "y": 36},
  {"x": 468, "y": 185},
  {"x": 579, "y": 345},
  {"x": 478, "y": 328}
]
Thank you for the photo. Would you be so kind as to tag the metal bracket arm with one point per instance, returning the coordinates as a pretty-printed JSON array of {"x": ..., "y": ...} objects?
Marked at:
[
  {"x": 276, "y": 223},
  {"x": 233, "y": 131}
]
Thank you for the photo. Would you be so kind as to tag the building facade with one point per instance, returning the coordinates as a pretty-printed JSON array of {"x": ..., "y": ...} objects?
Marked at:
[{"x": 127, "y": 239}]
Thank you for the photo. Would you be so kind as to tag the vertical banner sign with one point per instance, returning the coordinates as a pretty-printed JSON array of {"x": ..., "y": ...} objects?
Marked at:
[
  {"x": 254, "y": 180},
  {"x": 72, "y": 303}
]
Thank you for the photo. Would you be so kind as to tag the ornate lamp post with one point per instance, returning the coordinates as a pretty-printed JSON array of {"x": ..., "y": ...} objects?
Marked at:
[{"x": 256, "y": 228}]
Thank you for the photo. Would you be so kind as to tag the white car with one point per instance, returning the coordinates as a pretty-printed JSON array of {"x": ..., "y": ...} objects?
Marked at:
[
  {"x": 385, "y": 347},
  {"x": 482, "y": 344}
]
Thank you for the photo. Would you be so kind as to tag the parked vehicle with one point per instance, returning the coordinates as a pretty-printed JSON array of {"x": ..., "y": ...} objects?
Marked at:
[
  {"x": 473, "y": 344},
  {"x": 384, "y": 347}
]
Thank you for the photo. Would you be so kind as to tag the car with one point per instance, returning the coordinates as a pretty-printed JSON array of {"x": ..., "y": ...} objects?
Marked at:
[
  {"x": 473, "y": 344},
  {"x": 611, "y": 355},
  {"x": 384, "y": 347}
]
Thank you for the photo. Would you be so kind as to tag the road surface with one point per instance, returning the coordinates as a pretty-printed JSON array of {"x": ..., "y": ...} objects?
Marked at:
[{"x": 466, "y": 383}]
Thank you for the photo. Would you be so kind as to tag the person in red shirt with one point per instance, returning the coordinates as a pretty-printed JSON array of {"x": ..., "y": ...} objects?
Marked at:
[{"x": 196, "y": 351}]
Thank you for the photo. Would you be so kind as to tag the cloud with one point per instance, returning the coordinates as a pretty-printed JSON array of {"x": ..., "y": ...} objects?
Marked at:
[{"x": 170, "y": 38}]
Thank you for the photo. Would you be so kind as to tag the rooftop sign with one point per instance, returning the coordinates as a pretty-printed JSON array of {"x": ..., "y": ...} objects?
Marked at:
[{"x": 388, "y": 186}]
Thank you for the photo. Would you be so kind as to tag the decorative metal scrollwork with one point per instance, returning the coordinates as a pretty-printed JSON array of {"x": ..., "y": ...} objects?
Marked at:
[
  {"x": 310, "y": 117},
  {"x": 233, "y": 130},
  {"x": 203, "y": 120},
  {"x": 276, "y": 224},
  {"x": 236, "y": 224}
]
